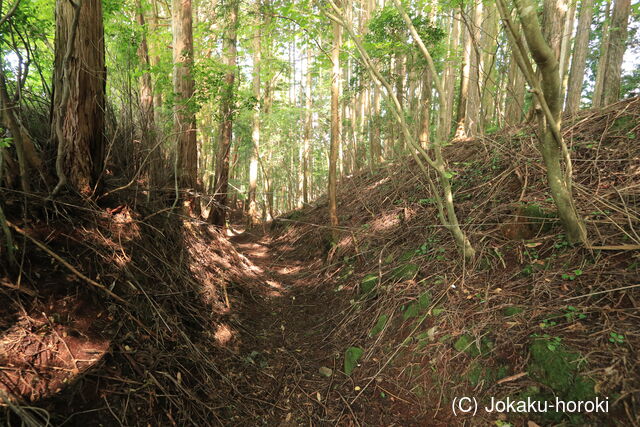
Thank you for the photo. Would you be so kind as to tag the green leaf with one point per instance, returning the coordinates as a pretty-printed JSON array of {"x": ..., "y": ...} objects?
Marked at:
[
  {"x": 351, "y": 357},
  {"x": 368, "y": 283},
  {"x": 379, "y": 326}
]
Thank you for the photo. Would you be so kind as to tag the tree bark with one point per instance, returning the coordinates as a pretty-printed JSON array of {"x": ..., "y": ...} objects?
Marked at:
[
  {"x": 335, "y": 127},
  {"x": 596, "y": 99},
  {"x": 183, "y": 87},
  {"x": 463, "y": 94},
  {"x": 217, "y": 216},
  {"x": 579, "y": 60},
  {"x": 308, "y": 123},
  {"x": 449, "y": 80},
  {"x": 425, "y": 110},
  {"x": 253, "y": 216},
  {"x": 617, "y": 47},
  {"x": 79, "y": 80},
  {"x": 147, "y": 119},
  {"x": 476, "y": 70}
]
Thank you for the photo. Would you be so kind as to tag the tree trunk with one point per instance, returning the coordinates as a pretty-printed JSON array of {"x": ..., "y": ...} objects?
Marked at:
[
  {"x": 476, "y": 77},
  {"x": 253, "y": 216},
  {"x": 79, "y": 90},
  {"x": 147, "y": 122},
  {"x": 335, "y": 128},
  {"x": 308, "y": 123},
  {"x": 617, "y": 47},
  {"x": 376, "y": 122},
  {"x": 565, "y": 46},
  {"x": 551, "y": 146},
  {"x": 154, "y": 61},
  {"x": 425, "y": 108},
  {"x": 183, "y": 87},
  {"x": 449, "y": 80},
  {"x": 217, "y": 216},
  {"x": 463, "y": 95},
  {"x": 488, "y": 72},
  {"x": 514, "y": 108},
  {"x": 580, "y": 49},
  {"x": 596, "y": 99}
]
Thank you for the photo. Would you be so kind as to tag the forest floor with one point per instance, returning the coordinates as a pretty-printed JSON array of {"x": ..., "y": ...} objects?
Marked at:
[{"x": 121, "y": 312}]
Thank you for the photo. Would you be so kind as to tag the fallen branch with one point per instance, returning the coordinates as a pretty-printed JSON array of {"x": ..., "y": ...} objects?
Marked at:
[{"x": 66, "y": 264}]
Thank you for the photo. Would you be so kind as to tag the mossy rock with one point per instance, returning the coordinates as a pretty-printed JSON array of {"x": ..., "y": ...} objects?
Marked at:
[{"x": 405, "y": 272}]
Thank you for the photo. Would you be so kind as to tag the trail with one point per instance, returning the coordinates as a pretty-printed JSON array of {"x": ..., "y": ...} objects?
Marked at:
[{"x": 286, "y": 338}]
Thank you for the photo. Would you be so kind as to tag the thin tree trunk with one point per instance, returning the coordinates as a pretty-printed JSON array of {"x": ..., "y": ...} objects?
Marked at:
[
  {"x": 449, "y": 80},
  {"x": 425, "y": 109},
  {"x": 617, "y": 47},
  {"x": 253, "y": 216},
  {"x": 218, "y": 216},
  {"x": 147, "y": 123},
  {"x": 476, "y": 69},
  {"x": 308, "y": 123},
  {"x": 183, "y": 87},
  {"x": 463, "y": 95},
  {"x": 514, "y": 108},
  {"x": 335, "y": 127},
  {"x": 548, "y": 92},
  {"x": 578, "y": 63},
  {"x": 154, "y": 61},
  {"x": 596, "y": 100}
]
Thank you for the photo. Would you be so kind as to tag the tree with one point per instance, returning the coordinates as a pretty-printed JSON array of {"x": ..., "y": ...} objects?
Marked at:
[
  {"x": 79, "y": 78},
  {"x": 218, "y": 213},
  {"x": 183, "y": 87},
  {"x": 255, "y": 122},
  {"x": 547, "y": 89},
  {"x": 335, "y": 126},
  {"x": 579, "y": 60},
  {"x": 615, "y": 52},
  {"x": 147, "y": 117},
  {"x": 308, "y": 123}
]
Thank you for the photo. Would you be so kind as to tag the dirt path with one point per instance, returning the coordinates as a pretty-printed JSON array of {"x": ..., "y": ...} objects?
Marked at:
[{"x": 286, "y": 337}]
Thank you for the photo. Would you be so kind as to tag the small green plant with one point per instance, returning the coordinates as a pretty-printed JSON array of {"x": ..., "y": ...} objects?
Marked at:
[
  {"x": 424, "y": 202},
  {"x": 351, "y": 357},
  {"x": 423, "y": 249},
  {"x": 548, "y": 323},
  {"x": 573, "y": 275},
  {"x": 616, "y": 338},
  {"x": 5, "y": 142},
  {"x": 562, "y": 242},
  {"x": 552, "y": 343},
  {"x": 572, "y": 314}
]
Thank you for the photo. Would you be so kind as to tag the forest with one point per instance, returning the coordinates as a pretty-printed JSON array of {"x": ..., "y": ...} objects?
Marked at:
[{"x": 319, "y": 212}]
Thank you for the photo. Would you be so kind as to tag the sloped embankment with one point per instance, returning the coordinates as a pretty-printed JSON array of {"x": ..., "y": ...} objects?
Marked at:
[
  {"x": 71, "y": 354},
  {"x": 532, "y": 317}
]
